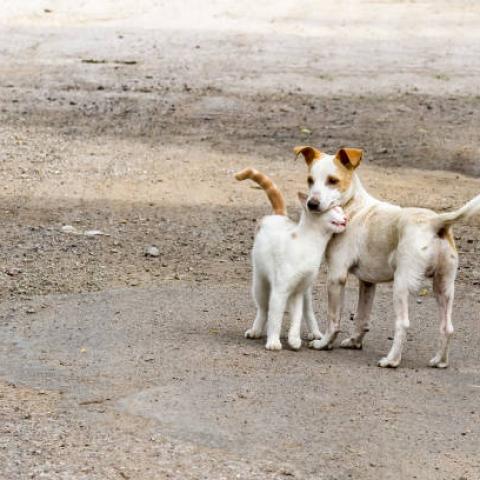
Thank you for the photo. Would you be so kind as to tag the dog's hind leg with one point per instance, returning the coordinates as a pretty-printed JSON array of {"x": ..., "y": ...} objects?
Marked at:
[
  {"x": 309, "y": 316},
  {"x": 402, "y": 322},
  {"x": 443, "y": 287},
  {"x": 261, "y": 293},
  {"x": 362, "y": 317}
]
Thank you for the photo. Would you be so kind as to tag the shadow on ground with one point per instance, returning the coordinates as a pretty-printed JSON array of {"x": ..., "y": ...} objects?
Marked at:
[{"x": 176, "y": 355}]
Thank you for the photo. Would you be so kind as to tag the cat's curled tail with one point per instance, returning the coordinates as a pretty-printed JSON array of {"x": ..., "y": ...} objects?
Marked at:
[{"x": 272, "y": 191}]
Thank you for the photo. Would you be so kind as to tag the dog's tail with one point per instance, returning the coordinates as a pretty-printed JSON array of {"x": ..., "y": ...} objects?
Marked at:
[
  {"x": 470, "y": 209},
  {"x": 272, "y": 191}
]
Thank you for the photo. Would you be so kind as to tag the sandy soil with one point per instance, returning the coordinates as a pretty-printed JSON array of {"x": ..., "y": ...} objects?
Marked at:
[{"x": 130, "y": 118}]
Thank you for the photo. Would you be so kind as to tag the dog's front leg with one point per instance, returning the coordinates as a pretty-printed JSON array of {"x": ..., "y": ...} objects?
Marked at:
[
  {"x": 309, "y": 316},
  {"x": 362, "y": 317},
  {"x": 402, "y": 323},
  {"x": 296, "y": 309},
  {"x": 336, "y": 293}
]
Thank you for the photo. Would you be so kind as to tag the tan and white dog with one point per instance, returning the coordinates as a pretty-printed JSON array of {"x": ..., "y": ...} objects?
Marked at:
[{"x": 383, "y": 242}]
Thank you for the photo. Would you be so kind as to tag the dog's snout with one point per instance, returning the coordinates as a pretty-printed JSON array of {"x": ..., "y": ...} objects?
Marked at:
[{"x": 313, "y": 204}]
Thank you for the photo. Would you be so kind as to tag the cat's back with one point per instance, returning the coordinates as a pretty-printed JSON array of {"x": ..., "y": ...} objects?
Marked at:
[
  {"x": 275, "y": 226},
  {"x": 272, "y": 241}
]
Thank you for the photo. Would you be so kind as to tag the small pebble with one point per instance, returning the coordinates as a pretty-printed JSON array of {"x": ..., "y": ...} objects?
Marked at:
[
  {"x": 13, "y": 271},
  {"x": 152, "y": 251},
  {"x": 69, "y": 229}
]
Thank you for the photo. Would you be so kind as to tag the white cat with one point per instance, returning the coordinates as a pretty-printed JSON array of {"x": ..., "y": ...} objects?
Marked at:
[{"x": 286, "y": 258}]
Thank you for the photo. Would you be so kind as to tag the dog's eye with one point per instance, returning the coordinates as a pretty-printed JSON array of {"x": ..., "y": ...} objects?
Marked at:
[
  {"x": 310, "y": 181},
  {"x": 332, "y": 180}
]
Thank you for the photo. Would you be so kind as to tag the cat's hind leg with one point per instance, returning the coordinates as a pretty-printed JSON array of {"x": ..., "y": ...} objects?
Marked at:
[{"x": 261, "y": 293}]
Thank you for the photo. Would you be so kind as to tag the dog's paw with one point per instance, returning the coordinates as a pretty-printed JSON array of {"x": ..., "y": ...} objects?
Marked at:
[
  {"x": 438, "y": 362},
  {"x": 386, "y": 362},
  {"x": 273, "y": 345},
  {"x": 251, "y": 333},
  {"x": 314, "y": 336},
  {"x": 352, "y": 343},
  {"x": 321, "y": 344},
  {"x": 295, "y": 343}
]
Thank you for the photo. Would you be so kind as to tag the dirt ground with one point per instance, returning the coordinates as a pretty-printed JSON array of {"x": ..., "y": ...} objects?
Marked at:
[{"x": 130, "y": 118}]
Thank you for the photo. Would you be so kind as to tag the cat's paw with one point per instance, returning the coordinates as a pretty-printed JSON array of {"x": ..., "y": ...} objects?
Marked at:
[
  {"x": 251, "y": 333},
  {"x": 322, "y": 344},
  {"x": 274, "y": 345},
  {"x": 295, "y": 343},
  {"x": 314, "y": 336}
]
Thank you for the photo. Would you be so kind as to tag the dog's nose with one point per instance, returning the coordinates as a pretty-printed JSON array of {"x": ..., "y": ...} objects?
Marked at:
[{"x": 313, "y": 204}]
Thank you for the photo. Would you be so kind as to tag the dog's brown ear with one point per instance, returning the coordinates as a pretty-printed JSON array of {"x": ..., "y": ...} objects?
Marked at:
[
  {"x": 350, "y": 157},
  {"x": 310, "y": 154}
]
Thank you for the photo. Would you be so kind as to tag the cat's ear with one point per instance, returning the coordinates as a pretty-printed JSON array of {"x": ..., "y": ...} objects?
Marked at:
[{"x": 303, "y": 197}]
